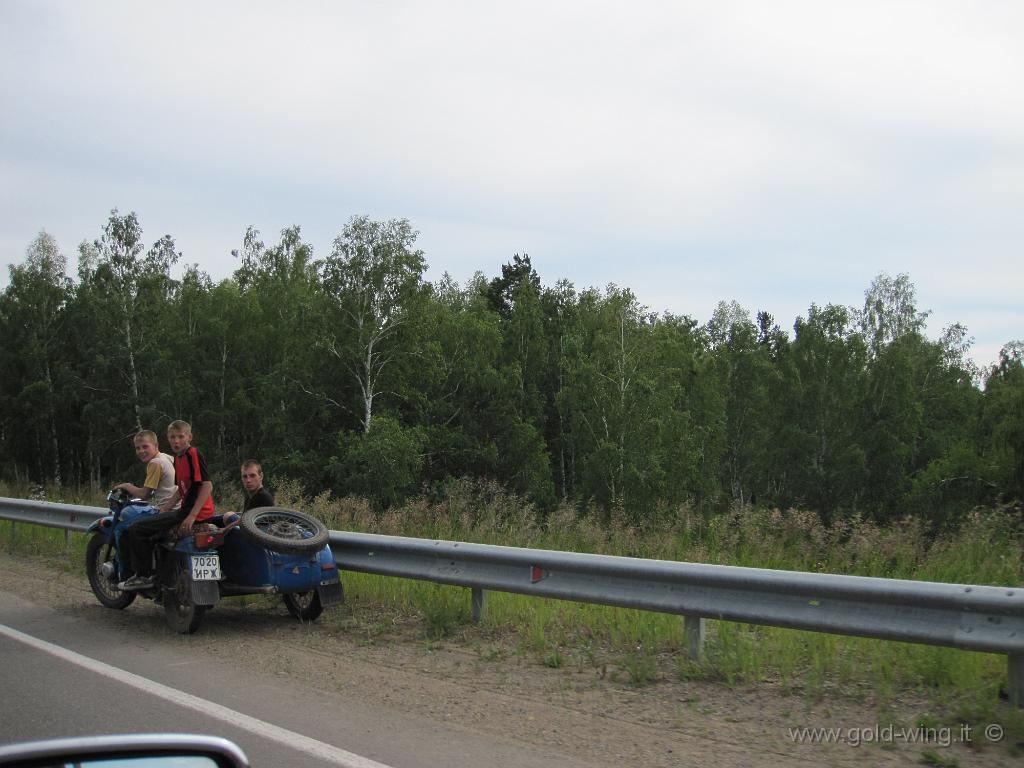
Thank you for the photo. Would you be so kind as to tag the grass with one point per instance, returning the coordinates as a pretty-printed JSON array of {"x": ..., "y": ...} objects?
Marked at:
[
  {"x": 640, "y": 666},
  {"x": 935, "y": 758},
  {"x": 443, "y": 608},
  {"x": 642, "y": 647}
]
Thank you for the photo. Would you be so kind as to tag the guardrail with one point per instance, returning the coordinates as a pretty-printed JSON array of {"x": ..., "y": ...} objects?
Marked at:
[
  {"x": 70, "y": 517},
  {"x": 970, "y": 617}
]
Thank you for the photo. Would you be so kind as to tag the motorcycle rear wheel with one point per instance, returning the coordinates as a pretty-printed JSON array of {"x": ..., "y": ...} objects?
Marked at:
[
  {"x": 182, "y": 615},
  {"x": 304, "y": 606},
  {"x": 98, "y": 552}
]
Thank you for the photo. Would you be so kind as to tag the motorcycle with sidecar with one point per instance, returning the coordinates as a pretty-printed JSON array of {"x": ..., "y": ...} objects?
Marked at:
[{"x": 267, "y": 550}]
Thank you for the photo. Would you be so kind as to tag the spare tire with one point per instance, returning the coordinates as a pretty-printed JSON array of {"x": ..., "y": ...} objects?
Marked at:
[{"x": 284, "y": 530}]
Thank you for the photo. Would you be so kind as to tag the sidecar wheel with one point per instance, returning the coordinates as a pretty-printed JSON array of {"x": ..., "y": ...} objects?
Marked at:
[
  {"x": 99, "y": 553},
  {"x": 183, "y": 616},
  {"x": 304, "y": 606},
  {"x": 284, "y": 530}
]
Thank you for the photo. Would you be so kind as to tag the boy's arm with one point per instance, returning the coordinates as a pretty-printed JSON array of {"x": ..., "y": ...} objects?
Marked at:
[
  {"x": 205, "y": 489},
  {"x": 168, "y": 505},
  {"x": 139, "y": 492},
  {"x": 149, "y": 485}
]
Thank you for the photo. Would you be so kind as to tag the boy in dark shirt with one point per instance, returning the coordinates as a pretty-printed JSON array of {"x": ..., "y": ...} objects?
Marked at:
[
  {"x": 252, "y": 481},
  {"x": 194, "y": 489}
]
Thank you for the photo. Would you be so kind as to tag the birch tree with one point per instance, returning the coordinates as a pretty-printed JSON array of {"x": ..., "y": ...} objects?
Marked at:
[
  {"x": 123, "y": 274},
  {"x": 609, "y": 386},
  {"x": 371, "y": 279},
  {"x": 890, "y": 311}
]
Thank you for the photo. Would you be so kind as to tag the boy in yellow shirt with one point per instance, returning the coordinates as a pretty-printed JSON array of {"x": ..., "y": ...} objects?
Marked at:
[{"x": 159, "y": 485}]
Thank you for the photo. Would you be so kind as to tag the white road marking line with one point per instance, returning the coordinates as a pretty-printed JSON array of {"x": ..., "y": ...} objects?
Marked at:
[{"x": 317, "y": 749}]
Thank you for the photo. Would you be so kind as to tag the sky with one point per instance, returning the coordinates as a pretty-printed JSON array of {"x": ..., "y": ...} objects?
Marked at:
[{"x": 776, "y": 154}]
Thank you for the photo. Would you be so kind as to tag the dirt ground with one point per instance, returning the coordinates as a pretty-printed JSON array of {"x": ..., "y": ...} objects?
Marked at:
[{"x": 481, "y": 681}]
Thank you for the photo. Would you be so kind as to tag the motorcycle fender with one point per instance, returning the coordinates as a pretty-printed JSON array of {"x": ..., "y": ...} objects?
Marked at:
[
  {"x": 331, "y": 594},
  {"x": 97, "y": 525},
  {"x": 205, "y": 592}
]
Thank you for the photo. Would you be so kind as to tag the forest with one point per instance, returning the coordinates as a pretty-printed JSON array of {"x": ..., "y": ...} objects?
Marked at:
[{"x": 350, "y": 372}]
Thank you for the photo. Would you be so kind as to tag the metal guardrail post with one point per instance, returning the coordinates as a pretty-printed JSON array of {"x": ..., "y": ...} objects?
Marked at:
[
  {"x": 693, "y": 635},
  {"x": 1015, "y": 678},
  {"x": 479, "y": 604}
]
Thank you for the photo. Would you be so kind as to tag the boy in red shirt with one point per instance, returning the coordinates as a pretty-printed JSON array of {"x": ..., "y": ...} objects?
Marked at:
[{"x": 194, "y": 489}]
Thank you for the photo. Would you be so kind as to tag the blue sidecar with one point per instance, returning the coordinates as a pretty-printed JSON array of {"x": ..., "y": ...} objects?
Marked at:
[{"x": 268, "y": 550}]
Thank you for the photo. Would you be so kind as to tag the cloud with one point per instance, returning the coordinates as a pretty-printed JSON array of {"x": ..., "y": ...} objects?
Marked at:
[{"x": 770, "y": 152}]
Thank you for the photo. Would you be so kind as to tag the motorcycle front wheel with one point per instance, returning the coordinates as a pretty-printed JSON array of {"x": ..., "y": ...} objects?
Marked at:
[
  {"x": 101, "y": 567},
  {"x": 183, "y": 615}
]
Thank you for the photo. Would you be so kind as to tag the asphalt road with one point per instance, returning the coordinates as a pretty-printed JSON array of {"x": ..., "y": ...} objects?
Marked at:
[{"x": 60, "y": 676}]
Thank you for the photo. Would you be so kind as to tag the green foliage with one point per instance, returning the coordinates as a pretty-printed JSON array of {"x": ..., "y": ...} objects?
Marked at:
[
  {"x": 35, "y": 384},
  {"x": 828, "y": 459},
  {"x": 1003, "y": 420},
  {"x": 955, "y": 481},
  {"x": 382, "y": 465},
  {"x": 560, "y": 396}
]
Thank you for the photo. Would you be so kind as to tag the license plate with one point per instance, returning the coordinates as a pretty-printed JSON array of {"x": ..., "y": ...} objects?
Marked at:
[{"x": 205, "y": 567}]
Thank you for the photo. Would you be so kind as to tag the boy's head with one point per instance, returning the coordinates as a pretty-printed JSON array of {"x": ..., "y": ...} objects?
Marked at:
[
  {"x": 179, "y": 435},
  {"x": 146, "y": 445},
  {"x": 252, "y": 476}
]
